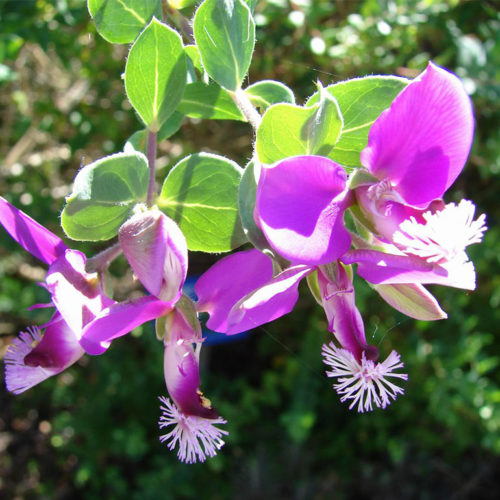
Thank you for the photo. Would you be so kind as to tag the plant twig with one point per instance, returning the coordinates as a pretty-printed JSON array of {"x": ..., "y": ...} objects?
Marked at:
[
  {"x": 151, "y": 154},
  {"x": 101, "y": 261},
  {"x": 247, "y": 108}
]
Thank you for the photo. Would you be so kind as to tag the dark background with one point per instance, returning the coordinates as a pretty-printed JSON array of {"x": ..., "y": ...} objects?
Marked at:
[{"x": 91, "y": 432}]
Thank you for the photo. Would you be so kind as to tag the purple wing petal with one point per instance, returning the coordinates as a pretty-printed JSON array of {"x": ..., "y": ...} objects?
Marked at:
[
  {"x": 228, "y": 281},
  {"x": 383, "y": 268},
  {"x": 31, "y": 235},
  {"x": 422, "y": 141},
  {"x": 269, "y": 302},
  {"x": 120, "y": 319},
  {"x": 300, "y": 208}
]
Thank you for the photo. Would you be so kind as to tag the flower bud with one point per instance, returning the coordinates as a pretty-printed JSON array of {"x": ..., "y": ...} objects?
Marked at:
[{"x": 157, "y": 252}]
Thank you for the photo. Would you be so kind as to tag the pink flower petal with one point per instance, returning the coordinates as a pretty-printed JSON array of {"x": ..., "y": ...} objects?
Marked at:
[
  {"x": 119, "y": 319},
  {"x": 269, "y": 302},
  {"x": 300, "y": 208},
  {"x": 229, "y": 280},
  {"x": 383, "y": 268},
  {"x": 240, "y": 293},
  {"x": 422, "y": 141},
  {"x": 31, "y": 235}
]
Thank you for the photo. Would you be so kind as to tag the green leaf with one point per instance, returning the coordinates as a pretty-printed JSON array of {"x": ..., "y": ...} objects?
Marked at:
[
  {"x": 288, "y": 130},
  {"x": 265, "y": 93},
  {"x": 103, "y": 196},
  {"x": 201, "y": 194},
  {"x": 138, "y": 140},
  {"x": 224, "y": 31},
  {"x": 246, "y": 203},
  {"x": 208, "y": 101},
  {"x": 360, "y": 101},
  {"x": 155, "y": 74},
  {"x": 120, "y": 21}
]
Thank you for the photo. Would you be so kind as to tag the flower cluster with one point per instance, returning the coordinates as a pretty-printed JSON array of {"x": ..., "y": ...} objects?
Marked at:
[
  {"x": 416, "y": 149},
  {"x": 407, "y": 237}
]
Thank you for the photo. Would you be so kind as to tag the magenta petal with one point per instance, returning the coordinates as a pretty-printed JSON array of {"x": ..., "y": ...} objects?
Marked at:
[
  {"x": 157, "y": 252},
  {"x": 119, "y": 319},
  {"x": 383, "y": 268},
  {"x": 228, "y": 281},
  {"x": 300, "y": 208},
  {"x": 422, "y": 141},
  {"x": 33, "y": 237},
  {"x": 75, "y": 293},
  {"x": 269, "y": 302},
  {"x": 182, "y": 377}
]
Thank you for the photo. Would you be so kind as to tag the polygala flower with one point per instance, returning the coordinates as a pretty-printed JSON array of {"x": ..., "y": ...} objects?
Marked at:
[
  {"x": 416, "y": 149},
  {"x": 361, "y": 379},
  {"x": 76, "y": 295},
  {"x": 190, "y": 417}
]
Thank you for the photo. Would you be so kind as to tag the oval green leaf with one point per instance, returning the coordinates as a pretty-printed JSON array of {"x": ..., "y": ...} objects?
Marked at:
[
  {"x": 208, "y": 101},
  {"x": 201, "y": 194},
  {"x": 265, "y": 93},
  {"x": 360, "y": 101},
  {"x": 224, "y": 31},
  {"x": 103, "y": 196},
  {"x": 288, "y": 130},
  {"x": 155, "y": 74},
  {"x": 120, "y": 21}
]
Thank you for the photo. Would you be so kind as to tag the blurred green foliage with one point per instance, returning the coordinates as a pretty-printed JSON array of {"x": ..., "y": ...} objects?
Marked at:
[{"x": 91, "y": 432}]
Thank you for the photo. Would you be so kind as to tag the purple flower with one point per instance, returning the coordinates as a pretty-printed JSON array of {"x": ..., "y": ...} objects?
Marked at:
[
  {"x": 416, "y": 149},
  {"x": 190, "y": 416},
  {"x": 76, "y": 294},
  {"x": 360, "y": 378},
  {"x": 86, "y": 318}
]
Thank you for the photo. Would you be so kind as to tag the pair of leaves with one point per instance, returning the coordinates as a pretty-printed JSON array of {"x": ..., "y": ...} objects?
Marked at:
[
  {"x": 200, "y": 194},
  {"x": 334, "y": 122}
]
